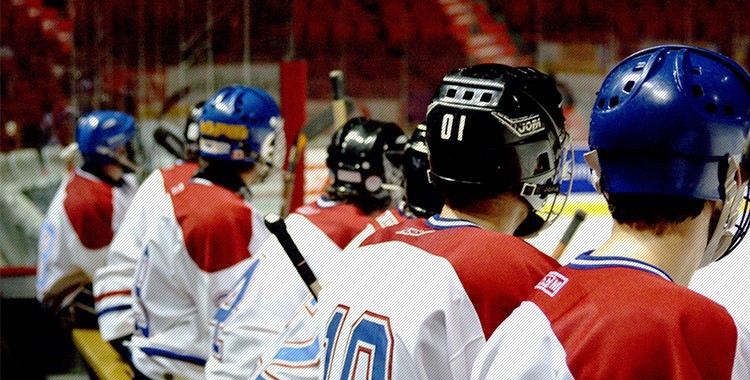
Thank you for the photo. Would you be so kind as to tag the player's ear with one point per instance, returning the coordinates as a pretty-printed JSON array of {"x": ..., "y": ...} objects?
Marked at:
[{"x": 592, "y": 159}]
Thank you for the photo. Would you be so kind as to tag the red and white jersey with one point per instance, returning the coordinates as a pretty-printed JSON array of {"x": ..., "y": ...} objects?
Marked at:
[
  {"x": 615, "y": 318},
  {"x": 199, "y": 241},
  {"x": 390, "y": 217},
  {"x": 80, "y": 223},
  {"x": 418, "y": 299},
  {"x": 114, "y": 282},
  {"x": 265, "y": 300}
]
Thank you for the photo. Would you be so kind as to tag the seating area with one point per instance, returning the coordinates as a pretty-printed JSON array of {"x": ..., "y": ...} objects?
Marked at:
[{"x": 629, "y": 22}]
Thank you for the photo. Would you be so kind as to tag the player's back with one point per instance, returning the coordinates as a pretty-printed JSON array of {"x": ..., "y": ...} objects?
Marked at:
[
  {"x": 415, "y": 300},
  {"x": 627, "y": 316},
  {"x": 263, "y": 304}
]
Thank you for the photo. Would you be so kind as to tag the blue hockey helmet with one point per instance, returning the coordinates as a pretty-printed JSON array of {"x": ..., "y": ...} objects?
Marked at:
[
  {"x": 664, "y": 120},
  {"x": 674, "y": 120},
  {"x": 100, "y": 134},
  {"x": 239, "y": 123}
]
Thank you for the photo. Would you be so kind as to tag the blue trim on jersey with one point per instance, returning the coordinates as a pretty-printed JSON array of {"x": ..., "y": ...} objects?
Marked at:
[
  {"x": 586, "y": 261},
  {"x": 150, "y": 351},
  {"x": 305, "y": 353},
  {"x": 222, "y": 314},
  {"x": 439, "y": 223},
  {"x": 113, "y": 309}
]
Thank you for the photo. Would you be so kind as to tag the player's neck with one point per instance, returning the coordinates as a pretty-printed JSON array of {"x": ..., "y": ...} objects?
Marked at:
[
  {"x": 501, "y": 214},
  {"x": 678, "y": 251}
]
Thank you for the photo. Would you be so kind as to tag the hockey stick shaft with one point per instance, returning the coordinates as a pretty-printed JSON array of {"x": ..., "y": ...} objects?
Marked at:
[
  {"x": 578, "y": 218},
  {"x": 277, "y": 227}
]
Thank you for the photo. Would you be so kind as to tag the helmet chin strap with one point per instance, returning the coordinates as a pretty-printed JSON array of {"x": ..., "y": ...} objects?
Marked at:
[{"x": 722, "y": 235}]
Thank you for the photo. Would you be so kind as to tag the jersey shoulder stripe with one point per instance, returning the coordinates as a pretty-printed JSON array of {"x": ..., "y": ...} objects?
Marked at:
[
  {"x": 177, "y": 174},
  {"x": 497, "y": 271},
  {"x": 89, "y": 207},
  {"x": 216, "y": 224},
  {"x": 341, "y": 222},
  {"x": 669, "y": 324}
]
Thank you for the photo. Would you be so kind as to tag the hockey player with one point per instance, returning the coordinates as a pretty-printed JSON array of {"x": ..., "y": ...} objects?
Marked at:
[
  {"x": 114, "y": 282},
  {"x": 416, "y": 300},
  {"x": 87, "y": 209},
  {"x": 364, "y": 158},
  {"x": 421, "y": 198},
  {"x": 668, "y": 133},
  {"x": 201, "y": 235}
]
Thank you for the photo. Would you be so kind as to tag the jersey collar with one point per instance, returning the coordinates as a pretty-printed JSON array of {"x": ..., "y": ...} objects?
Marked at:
[
  {"x": 325, "y": 202},
  {"x": 439, "y": 223},
  {"x": 586, "y": 261}
]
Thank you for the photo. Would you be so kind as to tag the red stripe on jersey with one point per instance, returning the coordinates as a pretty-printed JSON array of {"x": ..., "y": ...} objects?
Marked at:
[
  {"x": 112, "y": 294},
  {"x": 341, "y": 223},
  {"x": 177, "y": 174},
  {"x": 88, "y": 205},
  {"x": 497, "y": 271},
  {"x": 216, "y": 224},
  {"x": 623, "y": 323}
]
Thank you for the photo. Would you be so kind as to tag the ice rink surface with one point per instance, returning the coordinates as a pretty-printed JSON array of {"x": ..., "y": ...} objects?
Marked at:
[{"x": 726, "y": 281}]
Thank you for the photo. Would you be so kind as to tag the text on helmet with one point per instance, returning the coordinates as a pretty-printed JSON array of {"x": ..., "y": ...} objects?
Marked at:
[{"x": 230, "y": 131}]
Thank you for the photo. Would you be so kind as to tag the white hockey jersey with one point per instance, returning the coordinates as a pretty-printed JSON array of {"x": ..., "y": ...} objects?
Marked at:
[
  {"x": 418, "y": 299},
  {"x": 615, "y": 318},
  {"x": 198, "y": 244},
  {"x": 77, "y": 230},
  {"x": 114, "y": 282},
  {"x": 262, "y": 304}
]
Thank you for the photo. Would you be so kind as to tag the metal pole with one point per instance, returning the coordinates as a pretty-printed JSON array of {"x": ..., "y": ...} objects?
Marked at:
[
  {"x": 181, "y": 36},
  {"x": 73, "y": 64},
  {"x": 246, "y": 42},
  {"x": 141, "y": 58},
  {"x": 210, "y": 80}
]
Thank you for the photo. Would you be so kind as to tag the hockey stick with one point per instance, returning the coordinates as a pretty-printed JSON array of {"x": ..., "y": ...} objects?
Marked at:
[
  {"x": 277, "y": 227},
  {"x": 337, "y": 114},
  {"x": 170, "y": 142},
  {"x": 578, "y": 218}
]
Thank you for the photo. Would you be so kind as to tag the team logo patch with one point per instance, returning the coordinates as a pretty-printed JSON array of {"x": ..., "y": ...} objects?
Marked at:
[
  {"x": 552, "y": 283},
  {"x": 522, "y": 126},
  {"x": 411, "y": 231}
]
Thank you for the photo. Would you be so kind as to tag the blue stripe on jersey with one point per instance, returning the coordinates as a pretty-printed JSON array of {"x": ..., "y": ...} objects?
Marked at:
[
  {"x": 150, "y": 351},
  {"x": 306, "y": 353},
  {"x": 586, "y": 261},
  {"x": 439, "y": 223},
  {"x": 113, "y": 309}
]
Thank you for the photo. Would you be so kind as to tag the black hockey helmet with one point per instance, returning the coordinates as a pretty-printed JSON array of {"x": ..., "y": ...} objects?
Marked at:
[
  {"x": 365, "y": 159},
  {"x": 422, "y": 198},
  {"x": 493, "y": 128},
  {"x": 192, "y": 132}
]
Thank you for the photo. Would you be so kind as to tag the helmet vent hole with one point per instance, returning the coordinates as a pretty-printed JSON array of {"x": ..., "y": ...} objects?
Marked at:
[
  {"x": 629, "y": 86},
  {"x": 542, "y": 164},
  {"x": 697, "y": 90},
  {"x": 451, "y": 93},
  {"x": 639, "y": 66},
  {"x": 729, "y": 110},
  {"x": 601, "y": 103},
  {"x": 486, "y": 97},
  {"x": 613, "y": 101},
  {"x": 711, "y": 108},
  {"x": 695, "y": 70},
  {"x": 468, "y": 95}
]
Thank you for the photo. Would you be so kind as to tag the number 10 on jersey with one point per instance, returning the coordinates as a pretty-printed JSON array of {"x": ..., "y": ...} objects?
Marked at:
[{"x": 369, "y": 349}]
